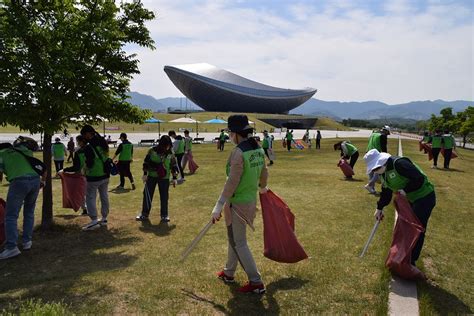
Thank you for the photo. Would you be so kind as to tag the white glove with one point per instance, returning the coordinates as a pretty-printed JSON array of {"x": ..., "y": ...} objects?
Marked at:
[
  {"x": 378, "y": 215},
  {"x": 263, "y": 190},
  {"x": 402, "y": 192},
  {"x": 216, "y": 212},
  {"x": 144, "y": 178}
]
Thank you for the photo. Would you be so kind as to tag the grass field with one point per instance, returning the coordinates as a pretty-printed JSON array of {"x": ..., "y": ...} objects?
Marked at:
[{"x": 133, "y": 268}]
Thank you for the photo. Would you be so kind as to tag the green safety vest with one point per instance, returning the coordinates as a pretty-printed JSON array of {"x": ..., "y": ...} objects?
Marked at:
[
  {"x": 374, "y": 142},
  {"x": 394, "y": 181},
  {"x": 58, "y": 151},
  {"x": 14, "y": 165},
  {"x": 426, "y": 139},
  {"x": 222, "y": 137},
  {"x": 156, "y": 158},
  {"x": 97, "y": 169},
  {"x": 351, "y": 149},
  {"x": 254, "y": 161},
  {"x": 126, "y": 153},
  {"x": 265, "y": 143},
  {"x": 289, "y": 136},
  {"x": 180, "y": 149},
  {"x": 436, "y": 141},
  {"x": 188, "y": 143},
  {"x": 448, "y": 141}
]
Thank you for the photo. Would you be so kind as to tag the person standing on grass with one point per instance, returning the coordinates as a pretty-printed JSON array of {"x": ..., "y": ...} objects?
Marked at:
[
  {"x": 59, "y": 152},
  {"x": 222, "y": 138},
  {"x": 348, "y": 151},
  {"x": 246, "y": 173},
  {"x": 159, "y": 165},
  {"x": 378, "y": 140},
  {"x": 125, "y": 158},
  {"x": 79, "y": 163},
  {"x": 188, "y": 147},
  {"x": 402, "y": 175},
  {"x": 449, "y": 143},
  {"x": 96, "y": 152},
  {"x": 318, "y": 139},
  {"x": 436, "y": 143},
  {"x": 289, "y": 139},
  {"x": 267, "y": 145},
  {"x": 70, "y": 149},
  {"x": 23, "y": 190},
  {"x": 178, "y": 150}
]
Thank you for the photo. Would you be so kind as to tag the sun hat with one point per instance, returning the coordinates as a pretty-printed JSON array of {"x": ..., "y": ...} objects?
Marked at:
[
  {"x": 374, "y": 159},
  {"x": 386, "y": 128},
  {"x": 238, "y": 123}
]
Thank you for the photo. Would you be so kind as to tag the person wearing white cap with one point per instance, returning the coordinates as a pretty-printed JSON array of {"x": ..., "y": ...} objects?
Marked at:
[
  {"x": 378, "y": 140},
  {"x": 402, "y": 175}
]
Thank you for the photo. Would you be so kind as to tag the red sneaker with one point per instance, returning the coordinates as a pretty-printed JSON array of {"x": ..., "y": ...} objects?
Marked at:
[
  {"x": 254, "y": 288},
  {"x": 224, "y": 277}
]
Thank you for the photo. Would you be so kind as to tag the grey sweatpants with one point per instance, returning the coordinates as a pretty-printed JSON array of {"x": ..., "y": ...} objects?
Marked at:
[
  {"x": 91, "y": 196},
  {"x": 239, "y": 251}
]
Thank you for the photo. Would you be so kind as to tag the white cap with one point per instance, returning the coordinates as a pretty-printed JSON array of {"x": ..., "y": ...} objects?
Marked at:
[{"x": 374, "y": 159}]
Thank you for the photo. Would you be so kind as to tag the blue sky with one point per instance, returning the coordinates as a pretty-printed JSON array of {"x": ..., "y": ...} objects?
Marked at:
[{"x": 394, "y": 51}]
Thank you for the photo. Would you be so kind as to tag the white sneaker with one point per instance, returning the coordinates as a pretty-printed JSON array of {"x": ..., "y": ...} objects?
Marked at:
[
  {"x": 94, "y": 224},
  {"x": 103, "y": 222},
  {"x": 370, "y": 189},
  {"x": 9, "y": 253},
  {"x": 27, "y": 245}
]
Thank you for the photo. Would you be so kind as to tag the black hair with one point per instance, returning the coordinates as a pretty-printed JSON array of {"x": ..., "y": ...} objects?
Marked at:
[
  {"x": 247, "y": 133},
  {"x": 165, "y": 141},
  {"x": 5, "y": 146},
  {"x": 186, "y": 131},
  {"x": 170, "y": 133},
  {"x": 337, "y": 145},
  {"x": 80, "y": 138}
]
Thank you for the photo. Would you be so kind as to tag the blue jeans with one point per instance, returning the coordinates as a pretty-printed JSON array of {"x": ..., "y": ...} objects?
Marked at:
[{"x": 22, "y": 191}]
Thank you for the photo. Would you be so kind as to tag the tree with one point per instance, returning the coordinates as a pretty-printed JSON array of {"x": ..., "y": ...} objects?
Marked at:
[
  {"x": 62, "y": 59},
  {"x": 466, "y": 123}
]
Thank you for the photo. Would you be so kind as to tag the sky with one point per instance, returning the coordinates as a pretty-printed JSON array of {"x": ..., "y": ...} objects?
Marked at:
[{"x": 393, "y": 51}]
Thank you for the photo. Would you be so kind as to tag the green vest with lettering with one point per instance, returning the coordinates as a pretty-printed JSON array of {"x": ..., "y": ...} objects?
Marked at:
[
  {"x": 351, "y": 149},
  {"x": 14, "y": 165},
  {"x": 436, "y": 141},
  {"x": 254, "y": 161},
  {"x": 448, "y": 141},
  {"x": 374, "y": 142},
  {"x": 394, "y": 181},
  {"x": 97, "y": 169},
  {"x": 156, "y": 158},
  {"x": 58, "y": 151},
  {"x": 126, "y": 153}
]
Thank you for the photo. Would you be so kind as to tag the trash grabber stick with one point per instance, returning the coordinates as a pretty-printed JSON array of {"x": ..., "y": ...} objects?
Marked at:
[
  {"x": 147, "y": 196},
  {"x": 372, "y": 233},
  {"x": 196, "y": 240}
]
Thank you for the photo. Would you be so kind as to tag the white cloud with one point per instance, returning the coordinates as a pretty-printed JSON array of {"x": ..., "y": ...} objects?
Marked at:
[{"x": 353, "y": 54}]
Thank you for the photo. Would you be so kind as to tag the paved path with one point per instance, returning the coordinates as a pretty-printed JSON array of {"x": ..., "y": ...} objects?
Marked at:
[{"x": 403, "y": 296}]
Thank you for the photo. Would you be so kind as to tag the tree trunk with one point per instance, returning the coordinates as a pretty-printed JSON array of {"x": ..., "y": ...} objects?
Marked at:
[{"x": 47, "y": 212}]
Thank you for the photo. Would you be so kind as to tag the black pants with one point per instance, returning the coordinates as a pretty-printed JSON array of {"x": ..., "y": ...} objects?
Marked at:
[
  {"x": 266, "y": 153},
  {"x": 163, "y": 188},
  {"x": 58, "y": 164},
  {"x": 422, "y": 209},
  {"x": 318, "y": 143},
  {"x": 221, "y": 145},
  {"x": 447, "y": 157},
  {"x": 435, "y": 155},
  {"x": 354, "y": 158},
  {"x": 71, "y": 155},
  {"x": 124, "y": 171},
  {"x": 179, "y": 158},
  {"x": 288, "y": 144}
]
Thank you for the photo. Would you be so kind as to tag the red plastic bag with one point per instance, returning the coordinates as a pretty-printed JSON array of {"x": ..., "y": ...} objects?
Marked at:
[
  {"x": 74, "y": 190},
  {"x": 193, "y": 166},
  {"x": 279, "y": 237},
  {"x": 421, "y": 147},
  {"x": 2, "y": 220},
  {"x": 345, "y": 167},
  {"x": 453, "y": 153},
  {"x": 405, "y": 235},
  {"x": 428, "y": 150}
]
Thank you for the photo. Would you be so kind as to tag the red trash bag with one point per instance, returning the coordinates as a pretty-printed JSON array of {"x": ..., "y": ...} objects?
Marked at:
[
  {"x": 279, "y": 237},
  {"x": 453, "y": 153},
  {"x": 345, "y": 167},
  {"x": 428, "y": 150},
  {"x": 2, "y": 220},
  {"x": 74, "y": 190},
  {"x": 421, "y": 147},
  {"x": 193, "y": 166},
  {"x": 405, "y": 235}
]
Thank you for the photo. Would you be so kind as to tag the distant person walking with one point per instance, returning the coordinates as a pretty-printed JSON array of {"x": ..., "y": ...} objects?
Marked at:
[
  {"x": 267, "y": 146},
  {"x": 188, "y": 147},
  {"x": 318, "y": 139},
  {"x": 125, "y": 158},
  {"x": 449, "y": 143},
  {"x": 178, "y": 150},
  {"x": 378, "y": 140},
  {"x": 71, "y": 148},
  {"x": 289, "y": 139},
  {"x": 59, "y": 152},
  {"x": 222, "y": 138},
  {"x": 436, "y": 144}
]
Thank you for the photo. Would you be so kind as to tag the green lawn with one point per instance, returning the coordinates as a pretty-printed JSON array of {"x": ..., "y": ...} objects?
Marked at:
[{"x": 134, "y": 268}]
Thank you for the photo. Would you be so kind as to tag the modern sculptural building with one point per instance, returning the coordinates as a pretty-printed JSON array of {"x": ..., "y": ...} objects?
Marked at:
[{"x": 218, "y": 90}]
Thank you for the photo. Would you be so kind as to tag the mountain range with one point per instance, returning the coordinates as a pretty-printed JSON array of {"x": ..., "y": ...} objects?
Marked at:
[{"x": 416, "y": 110}]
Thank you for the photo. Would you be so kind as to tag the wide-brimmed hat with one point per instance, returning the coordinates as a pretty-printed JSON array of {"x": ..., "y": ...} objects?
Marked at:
[
  {"x": 387, "y": 129},
  {"x": 238, "y": 123},
  {"x": 374, "y": 159}
]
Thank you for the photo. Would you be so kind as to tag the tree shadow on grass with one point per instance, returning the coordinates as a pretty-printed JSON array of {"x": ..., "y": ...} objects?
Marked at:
[
  {"x": 162, "y": 229},
  {"x": 63, "y": 260},
  {"x": 442, "y": 301},
  {"x": 120, "y": 191},
  {"x": 351, "y": 180},
  {"x": 70, "y": 216}
]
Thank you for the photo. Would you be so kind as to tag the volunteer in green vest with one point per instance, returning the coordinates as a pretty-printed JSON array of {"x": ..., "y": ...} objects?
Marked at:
[
  {"x": 289, "y": 139},
  {"x": 125, "y": 158},
  {"x": 426, "y": 137},
  {"x": 267, "y": 145},
  {"x": 448, "y": 144},
  {"x": 159, "y": 165},
  {"x": 436, "y": 144},
  {"x": 246, "y": 173},
  {"x": 59, "y": 152},
  {"x": 222, "y": 138},
  {"x": 22, "y": 191},
  {"x": 79, "y": 163},
  {"x": 348, "y": 150},
  {"x": 378, "y": 140},
  {"x": 96, "y": 152},
  {"x": 188, "y": 150},
  {"x": 402, "y": 175},
  {"x": 178, "y": 150}
]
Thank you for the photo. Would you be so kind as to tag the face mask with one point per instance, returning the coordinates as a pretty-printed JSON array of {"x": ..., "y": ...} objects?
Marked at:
[{"x": 380, "y": 170}]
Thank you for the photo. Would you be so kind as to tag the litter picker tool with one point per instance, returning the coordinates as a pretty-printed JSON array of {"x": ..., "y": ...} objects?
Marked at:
[
  {"x": 372, "y": 233},
  {"x": 196, "y": 240}
]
